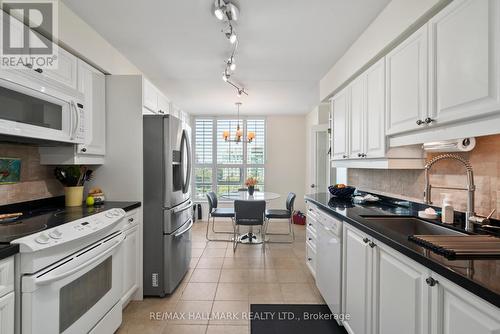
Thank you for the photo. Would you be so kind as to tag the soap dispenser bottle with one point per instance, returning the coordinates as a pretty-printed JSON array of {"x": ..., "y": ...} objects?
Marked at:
[{"x": 447, "y": 213}]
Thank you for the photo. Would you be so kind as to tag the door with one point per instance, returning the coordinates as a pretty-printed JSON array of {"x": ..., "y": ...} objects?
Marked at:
[
  {"x": 375, "y": 146},
  {"x": 456, "y": 311},
  {"x": 356, "y": 281},
  {"x": 465, "y": 60},
  {"x": 400, "y": 294},
  {"x": 340, "y": 114},
  {"x": 91, "y": 83},
  {"x": 406, "y": 90},
  {"x": 7, "y": 313},
  {"x": 177, "y": 158},
  {"x": 320, "y": 162},
  {"x": 130, "y": 266},
  {"x": 177, "y": 256},
  {"x": 356, "y": 118}
]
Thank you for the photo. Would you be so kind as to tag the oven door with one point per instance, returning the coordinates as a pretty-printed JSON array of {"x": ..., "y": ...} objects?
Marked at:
[
  {"x": 40, "y": 114},
  {"x": 72, "y": 295}
]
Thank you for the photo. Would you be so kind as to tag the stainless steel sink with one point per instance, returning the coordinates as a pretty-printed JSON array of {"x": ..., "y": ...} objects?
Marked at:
[{"x": 410, "y": 226}]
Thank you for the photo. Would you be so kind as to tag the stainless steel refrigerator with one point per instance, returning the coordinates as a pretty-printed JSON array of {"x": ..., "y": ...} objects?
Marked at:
[{"x": 167, "y": 203}]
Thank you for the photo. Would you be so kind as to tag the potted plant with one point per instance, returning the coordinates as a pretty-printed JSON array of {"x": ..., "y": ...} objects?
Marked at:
[
  {"x": 250, "y": 183},
  {"x": 73, "y": 179}
]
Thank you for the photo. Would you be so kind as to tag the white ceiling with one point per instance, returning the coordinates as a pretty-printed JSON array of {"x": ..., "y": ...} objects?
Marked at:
[{"x": 286, "y": 47}]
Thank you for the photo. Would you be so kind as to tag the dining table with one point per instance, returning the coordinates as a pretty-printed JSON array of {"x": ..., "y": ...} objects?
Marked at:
[{"x": 250, "y": 237}]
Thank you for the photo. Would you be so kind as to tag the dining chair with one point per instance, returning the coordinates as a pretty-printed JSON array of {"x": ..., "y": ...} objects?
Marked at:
[
  {"x": 287, "y": 213},
  {"x": 215, "y": 212},
  {"x": 249, "y": 213}
]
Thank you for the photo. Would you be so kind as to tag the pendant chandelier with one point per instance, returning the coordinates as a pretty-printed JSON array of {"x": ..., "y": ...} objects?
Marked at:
[{"x": 239, "y": 134}]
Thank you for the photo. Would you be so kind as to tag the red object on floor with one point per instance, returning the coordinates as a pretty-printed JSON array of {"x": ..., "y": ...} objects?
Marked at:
[{"x": 299, "y": 218}]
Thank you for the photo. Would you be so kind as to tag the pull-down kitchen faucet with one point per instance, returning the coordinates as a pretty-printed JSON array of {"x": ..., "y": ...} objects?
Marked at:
[{"x": 470, "y": 216}]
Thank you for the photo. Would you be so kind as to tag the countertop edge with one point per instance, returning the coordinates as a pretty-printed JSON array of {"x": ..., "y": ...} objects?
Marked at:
[
  {"x": 9, "y": 251},
  {"x": 471, "y": 286}
]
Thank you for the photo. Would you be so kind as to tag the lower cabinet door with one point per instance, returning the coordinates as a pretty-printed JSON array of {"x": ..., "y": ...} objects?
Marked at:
[
  {"x": 400, "y": 294},
  {"x": 7, "y": 314},
  {"x": 356, "y": 283},
  {"x": 457, "y": 311},
  {"x": 130, "y": 245}
]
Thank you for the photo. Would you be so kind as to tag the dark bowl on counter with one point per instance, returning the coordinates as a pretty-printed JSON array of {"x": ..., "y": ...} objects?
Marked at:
[{"x": 343, "y": 193}]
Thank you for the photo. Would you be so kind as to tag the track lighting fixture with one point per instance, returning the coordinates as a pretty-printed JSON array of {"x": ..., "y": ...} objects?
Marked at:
[{"x": 226, "y": 11}]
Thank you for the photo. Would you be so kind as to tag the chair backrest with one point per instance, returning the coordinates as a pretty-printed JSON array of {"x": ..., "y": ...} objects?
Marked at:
[
  {"x": 249, "y": 212},
  {"x": 289, "y": 201},
  {"x": 212, "y": 201}
]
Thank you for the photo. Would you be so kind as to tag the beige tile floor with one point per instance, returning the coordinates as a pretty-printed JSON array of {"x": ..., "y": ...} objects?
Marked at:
[{"x": 220, "y": 280}]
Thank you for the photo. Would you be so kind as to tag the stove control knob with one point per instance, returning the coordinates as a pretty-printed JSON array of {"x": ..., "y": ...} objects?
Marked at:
[
  {"x": 56, "y": 234},
  {"x": 109, "y": 214},
  {"x": 42, "y": 239},
  {"x": 116, "y": 212}
]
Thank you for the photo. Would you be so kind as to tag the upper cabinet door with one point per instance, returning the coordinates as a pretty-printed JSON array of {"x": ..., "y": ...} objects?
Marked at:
[
  {"x": 92, "y": 84},
  {"x": 356, "y": 117},
  {"x": 464, "y": 60},
  {"x": 150, "y": 96},
  {"x": 340, "y": 113},
  {"x": 406, "y": 91},
  {"x": 375, "y": 111},
  {"x": 65, "y": 73}
]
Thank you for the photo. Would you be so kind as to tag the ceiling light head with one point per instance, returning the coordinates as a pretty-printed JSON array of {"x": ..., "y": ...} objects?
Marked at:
[
  {"x": 225, "y": 10},
  {"x": 232, "y": 38},
  {"x": 231, "y": 64},
  {"x": 226, "y": 76},
  {"x": 220, "y": 9}
]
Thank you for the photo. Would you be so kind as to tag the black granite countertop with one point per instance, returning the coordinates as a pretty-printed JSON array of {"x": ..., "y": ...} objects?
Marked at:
[
  {"x": 481, "y": 277},
  {"x": 7, "y": 250}
]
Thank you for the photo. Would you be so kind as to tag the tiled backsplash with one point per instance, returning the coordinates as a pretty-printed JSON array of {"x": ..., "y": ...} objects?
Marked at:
[
  {"x": 485, "y": 160},
  {"x": 37, "y": 181}
]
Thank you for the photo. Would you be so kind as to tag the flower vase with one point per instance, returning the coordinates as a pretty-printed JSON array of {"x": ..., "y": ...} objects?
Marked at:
[{"x": 251, "y": 189}]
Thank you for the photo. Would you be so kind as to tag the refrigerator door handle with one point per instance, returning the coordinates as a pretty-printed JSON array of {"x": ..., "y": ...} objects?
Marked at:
[
  {"x": 178, "y": 234},
  {"x": 184, "y": 208},
  {"x": 186, "y": 145}
]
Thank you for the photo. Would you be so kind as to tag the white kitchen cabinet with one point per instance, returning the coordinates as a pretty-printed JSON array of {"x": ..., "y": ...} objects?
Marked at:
[
  {"x": 92, "y": 84},
  {"x": 66, "y": 72},
  {"x": 131, "y": 245},
  {"x": 6, "y": 275},
  {"x": 153, "y": 100},
  {"x": 465, "y": 60},
  {"x": 356, "y": 116},
  {"x": 356, "y": 281},
  {"x": 406, "y": 90},
  {"x": 340, "y": 114},
  {"x": 7, "y": 303},
  {"x": 456, "y": 311},
  {"x": 400, "y": 293},
  {"x": 374, "y": 133},
  {"x": 311, "y": 237}
]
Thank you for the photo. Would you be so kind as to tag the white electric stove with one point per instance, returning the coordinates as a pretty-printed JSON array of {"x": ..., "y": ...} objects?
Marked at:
[{"x": 69, "y": 277}]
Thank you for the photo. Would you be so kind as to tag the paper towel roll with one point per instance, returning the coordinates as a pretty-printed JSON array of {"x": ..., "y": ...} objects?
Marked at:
[{"x": 455, "y": 145}]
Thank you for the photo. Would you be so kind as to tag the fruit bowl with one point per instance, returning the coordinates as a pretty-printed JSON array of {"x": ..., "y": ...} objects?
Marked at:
[{"x": 341, "y": 191}]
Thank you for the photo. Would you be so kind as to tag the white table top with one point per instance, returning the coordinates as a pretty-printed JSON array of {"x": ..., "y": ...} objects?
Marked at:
[{"x": 257, "y": 196}]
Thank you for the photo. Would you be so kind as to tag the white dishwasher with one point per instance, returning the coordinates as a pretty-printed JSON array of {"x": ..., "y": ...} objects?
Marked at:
[{"x": 329, "y": 261}]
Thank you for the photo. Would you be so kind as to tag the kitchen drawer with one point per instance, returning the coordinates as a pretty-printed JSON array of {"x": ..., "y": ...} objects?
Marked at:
[
  {"x": 131, "y": 219},
  {"x": 311, "y": 258},
  {"x": 311, "y": 237},
  {"x": 7, "y": 304},
  {"x": 6, "y": 276}
]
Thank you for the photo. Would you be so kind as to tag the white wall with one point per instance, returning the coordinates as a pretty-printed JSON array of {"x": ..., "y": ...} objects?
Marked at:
[
  {"x": 81, "y": 39},
  {"x": 398, "y": 16},
  {"x": 285, "y": 165}
]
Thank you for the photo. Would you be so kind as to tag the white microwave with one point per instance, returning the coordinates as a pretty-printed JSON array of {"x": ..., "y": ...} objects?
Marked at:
[{"x": 34, "y": 111}]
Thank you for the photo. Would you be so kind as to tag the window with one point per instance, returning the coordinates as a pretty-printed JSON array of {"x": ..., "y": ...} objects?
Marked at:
[{"x": 223, "y": 166}]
